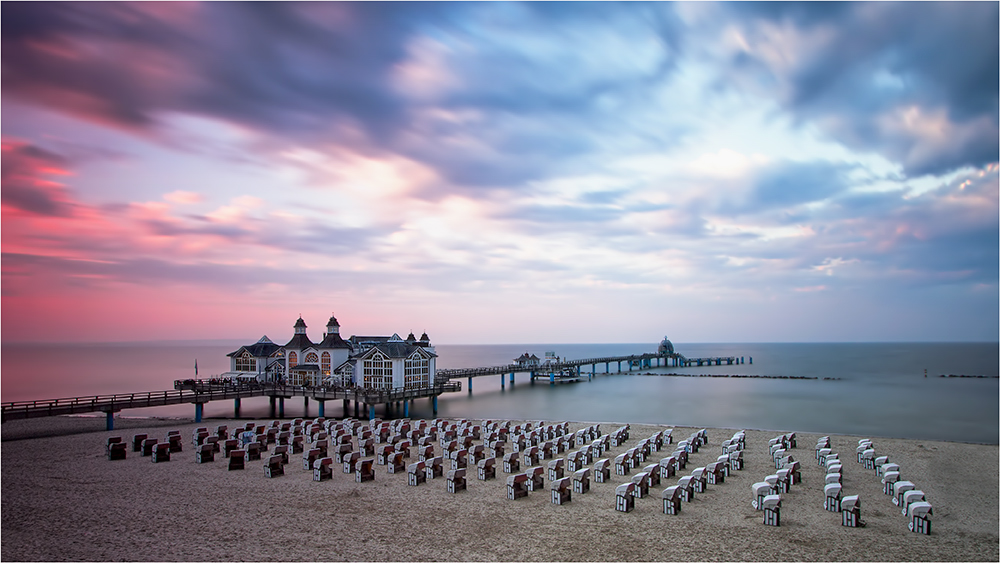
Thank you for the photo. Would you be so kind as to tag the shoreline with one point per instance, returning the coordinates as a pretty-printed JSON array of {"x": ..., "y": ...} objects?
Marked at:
[
  {"x": 63, "y": 500},
  {"x": 26, "y": 430}
]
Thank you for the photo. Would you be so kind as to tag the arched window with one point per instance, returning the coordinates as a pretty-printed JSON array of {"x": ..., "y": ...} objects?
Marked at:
[
  {"x": 312, "y": 358},
  {"x": 293, "y": 359},
  {"x": 377, "y": 372},
  {"x": 325, "y": 364},
  {"x": 416, "y": 372},
  {"x": 246, "y": 362}
]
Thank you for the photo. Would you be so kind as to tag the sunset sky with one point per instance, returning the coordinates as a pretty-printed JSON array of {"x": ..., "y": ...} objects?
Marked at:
[{"x": 501, "y": 173}]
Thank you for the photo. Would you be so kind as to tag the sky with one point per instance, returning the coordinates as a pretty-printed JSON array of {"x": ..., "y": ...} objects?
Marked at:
[{"x": 501, "y": 172}]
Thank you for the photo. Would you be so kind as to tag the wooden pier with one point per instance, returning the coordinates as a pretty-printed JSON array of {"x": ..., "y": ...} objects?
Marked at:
[
  {"x": 199, "y": 392},
  {"x": 636, "y": 360},
  {"x": 549, "y": 370}
]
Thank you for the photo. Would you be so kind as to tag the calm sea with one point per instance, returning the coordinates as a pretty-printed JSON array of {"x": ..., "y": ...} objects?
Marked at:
[{"x": 876, "y": 390}]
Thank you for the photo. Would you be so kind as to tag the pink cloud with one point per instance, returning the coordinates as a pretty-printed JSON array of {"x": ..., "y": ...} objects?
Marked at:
[{"x": 28, "y": 186}]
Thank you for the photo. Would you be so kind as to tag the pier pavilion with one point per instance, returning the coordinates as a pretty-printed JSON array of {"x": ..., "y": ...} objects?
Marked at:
[{"x": 369, "y": 362}]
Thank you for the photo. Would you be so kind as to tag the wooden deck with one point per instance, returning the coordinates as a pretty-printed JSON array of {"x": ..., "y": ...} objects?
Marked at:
[{"x": 203, "y": 391}]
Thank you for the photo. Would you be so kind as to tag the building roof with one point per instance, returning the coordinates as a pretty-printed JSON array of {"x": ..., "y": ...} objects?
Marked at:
[
  {"x": 334, "y": 340},
  {"x": 395, "y": 350},
  {"x": 260, "y": 349},
  {"x": 300, "y": 342}
]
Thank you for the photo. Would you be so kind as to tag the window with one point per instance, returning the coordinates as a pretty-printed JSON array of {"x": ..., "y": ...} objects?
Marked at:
[
  {"x": 312, "y": 358},
  {"x": 377, "y": 372},
  {"x": 416, "y": 372},
  {"x": 325, "y": 364},
  {"x": 293, "y": 359},
  {"x": 246, "y": 362}
]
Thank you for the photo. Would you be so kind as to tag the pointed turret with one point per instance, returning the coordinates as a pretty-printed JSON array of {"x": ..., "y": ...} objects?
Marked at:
[
  {"x": 332, "y": 326},
  {"x": 300, "y": 340}
]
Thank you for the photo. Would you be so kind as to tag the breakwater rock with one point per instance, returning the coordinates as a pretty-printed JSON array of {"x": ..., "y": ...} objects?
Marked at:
[{"x": 733, "y": 376}]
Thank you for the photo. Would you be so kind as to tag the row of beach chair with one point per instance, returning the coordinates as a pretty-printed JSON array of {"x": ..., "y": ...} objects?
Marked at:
[{"x": 904, "y": 494}]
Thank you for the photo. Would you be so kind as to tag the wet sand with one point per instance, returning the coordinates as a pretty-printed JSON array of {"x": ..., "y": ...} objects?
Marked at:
[{"x": 63, "y": 500}]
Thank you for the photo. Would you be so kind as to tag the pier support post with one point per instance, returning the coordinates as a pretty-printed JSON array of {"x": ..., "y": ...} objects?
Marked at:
[
  {"x": 110, "y": 419},
  {"x": 199, "y": 408},
  {"x": 274, "y": 405},
  {"x": 356, "y": 407},
  {"x": 322, "y": 408},
  {"x": 512, "y": 378},
  {"x": 434, "y": 405},
  {"x": 406, "y": 409},
  {"x": 236, "y": 407},
  {"x": 552, "y": 378},
  {"x": 751, "y": 359},
  {"x": 371, "y": 411},
  {"x": 281, "y": 407},
  {"x": 502, "y": 381},
  {"x": 305, "y": 403},
  {"x": 470, "y": 384},
  {"x": 347, "y": 408}
]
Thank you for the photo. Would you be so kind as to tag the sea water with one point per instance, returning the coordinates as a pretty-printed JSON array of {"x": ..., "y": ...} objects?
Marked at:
[{"x": 870, "y": 389}]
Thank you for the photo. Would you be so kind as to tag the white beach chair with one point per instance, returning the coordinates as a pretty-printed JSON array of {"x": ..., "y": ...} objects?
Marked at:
[
  {"x": 772, "y": 510},
  {"x": 581, "y": 481},
  {"x": 671, "y": 500},
  {"x": 832, "y": 494},
  {"x": 487, "y": 468},
  {"x": 760, "y": 489},
  {"x": 416, "y": 473},
  {"x": 850, "y": 509},
  {"x": 456, "y": 480},
  {"x": 625, "y": 497},
  {"x": 920, "y": 517},
  {"x": 517, "y": 486},
  {"x": 561, "y": 490},
  {"x": 323, "y": 469}
]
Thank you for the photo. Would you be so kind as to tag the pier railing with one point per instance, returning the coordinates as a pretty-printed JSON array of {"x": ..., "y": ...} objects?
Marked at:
[
  {"x": 203, "y": 391},
  {"x": 322, "y": 393},
  {"x": 113, "y": 403}
]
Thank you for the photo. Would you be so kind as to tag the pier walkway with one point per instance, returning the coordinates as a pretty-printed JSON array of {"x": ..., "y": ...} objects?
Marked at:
[
  {"x": 199, "y": 392},
  {"x": 397, "y": 401},
  {"x": 550, "y": 369},
  {"x": 633, "y": 361}
]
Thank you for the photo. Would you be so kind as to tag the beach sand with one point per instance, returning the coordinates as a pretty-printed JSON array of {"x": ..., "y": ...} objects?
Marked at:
[{"x": 63, "y": 500}]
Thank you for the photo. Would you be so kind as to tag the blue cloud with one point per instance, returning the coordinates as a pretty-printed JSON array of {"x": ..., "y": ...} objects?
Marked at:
[{"x": 881, "y": 59}]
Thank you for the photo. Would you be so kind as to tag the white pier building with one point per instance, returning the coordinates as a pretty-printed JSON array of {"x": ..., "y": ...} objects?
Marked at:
[{"x": 367, "y": 362}]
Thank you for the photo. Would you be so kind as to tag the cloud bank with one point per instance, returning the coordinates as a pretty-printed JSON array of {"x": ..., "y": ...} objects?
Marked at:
[{"x": 465, "y": 167}]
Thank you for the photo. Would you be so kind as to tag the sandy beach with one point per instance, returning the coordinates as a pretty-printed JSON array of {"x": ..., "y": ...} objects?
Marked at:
[{"x": 63, "y": 500}]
